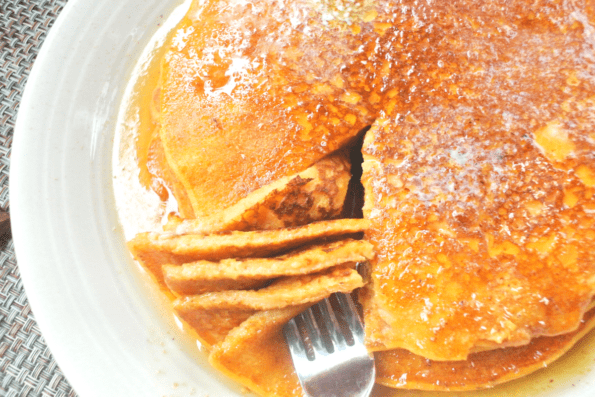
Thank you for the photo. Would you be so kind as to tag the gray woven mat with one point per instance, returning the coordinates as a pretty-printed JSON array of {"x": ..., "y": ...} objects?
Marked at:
[{"x": 26, "y": 364}]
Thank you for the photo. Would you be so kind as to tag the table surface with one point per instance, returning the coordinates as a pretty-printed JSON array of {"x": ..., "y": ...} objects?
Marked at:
[{"x": 27, "y": 367}]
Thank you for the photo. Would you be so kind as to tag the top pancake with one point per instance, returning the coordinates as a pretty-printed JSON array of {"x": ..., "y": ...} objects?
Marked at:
[
  {"x": 253, "y": 92},
  {"x": 480, "y": 182}
]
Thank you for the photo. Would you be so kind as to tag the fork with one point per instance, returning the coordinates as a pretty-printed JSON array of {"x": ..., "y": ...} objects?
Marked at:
[{"x": 328, "y": 351}]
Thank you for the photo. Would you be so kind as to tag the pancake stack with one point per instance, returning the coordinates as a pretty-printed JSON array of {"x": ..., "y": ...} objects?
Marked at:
[{"x": 478, "y": 173}]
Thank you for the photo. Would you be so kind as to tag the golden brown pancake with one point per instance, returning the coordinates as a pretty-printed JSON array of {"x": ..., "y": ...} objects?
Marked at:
[
  {"x": 402, "y": 369},
  {"x": 256, "y": 355},
  {"x": 479, "y": 170},
  {"x": 463, "y": 267},
  {"x": 252, "y": 93},
  {"x": 154, "y": 250},
  {"x": 311, "y": 195},
  {"x": 287, "y": 291},
  {"x": 206, "y": 276},
  {"x": 212, "y": 326},
  {"x": 213, "y": 315},
  {"x": 315, "y": 194},
  {"x": 479, "y": 182}
]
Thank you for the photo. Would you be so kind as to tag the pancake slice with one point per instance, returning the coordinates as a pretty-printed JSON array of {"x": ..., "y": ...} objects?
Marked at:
[
  {"x": 213, "y": 315},
  {"x": 479, "y": 181},
  {"x": 285, "y": 292},
  {"x": 153, "y": 250},
  {"x": 181, "y": 283},
  {"x": 312, "y": 195},
  {"x": 238, "y": 116},
  {"x": 255, "y": 354},
  {"x": 211, "y": 326},
  {"x": 402, "y": 369},
  {"x": 205, "y": 276}
]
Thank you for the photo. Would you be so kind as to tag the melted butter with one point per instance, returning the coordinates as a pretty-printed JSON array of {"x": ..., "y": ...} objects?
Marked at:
[
  {"x": 554, "y": 141},
  {"x": 345, "y": 13}
]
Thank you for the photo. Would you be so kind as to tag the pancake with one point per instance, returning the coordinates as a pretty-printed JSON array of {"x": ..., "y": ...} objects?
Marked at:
[
  {"x": 288, "y": 291},
  {"x": 180, "y": 282},
  {"x": 457, "y": 271},
  {"x": 212, "y": 326},
  {"x": 478, "y": 183},
  {"x": 479, "y": 170},
  {"x": 256, "y": 355},
  {"x": 153, "y": 250},
  {"x": 311, "y": 195},
  {"x": 402, "y": 369},
  {"x": 318, "y": 193},
  {"x": 252, "y": 93},
  {"x": 205, "y": 276},
  {"x": 213, "y": 315}
]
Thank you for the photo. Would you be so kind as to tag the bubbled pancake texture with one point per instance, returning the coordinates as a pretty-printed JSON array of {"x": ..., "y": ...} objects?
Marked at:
[{"x": 479, "y": 168}]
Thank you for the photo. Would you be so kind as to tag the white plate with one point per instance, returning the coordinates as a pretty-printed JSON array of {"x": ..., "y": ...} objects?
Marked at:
[
  {"x": 108, "y": 332},
  {"x": 86, "y": 293}
]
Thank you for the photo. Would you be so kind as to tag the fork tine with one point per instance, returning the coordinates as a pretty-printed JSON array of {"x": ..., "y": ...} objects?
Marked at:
[
  {"x": 352, "y": 317},
  {"x": 330, "y": 368},
  {"x": 332, "y": 324},
  {"x": 314, "y": 332},
  {"x": 294, "y": 340}
]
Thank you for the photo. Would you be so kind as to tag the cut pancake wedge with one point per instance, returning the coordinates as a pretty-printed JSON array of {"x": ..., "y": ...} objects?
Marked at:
[
  {"x": 211, "y": 326},
  {"x": 255, "y": 354},
  {"x": 204, "y": 276},
  {"x": 284, "y": 292},
  {"x": 312, "y": 195},
  {"x": 214, "y": 314},
  {"x": 153, "y": 250},
  {"x": 227, "y": 135}
]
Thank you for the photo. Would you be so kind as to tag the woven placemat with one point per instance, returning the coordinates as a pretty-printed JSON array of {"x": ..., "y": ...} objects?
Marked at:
[{"x": 27, "y": 367}]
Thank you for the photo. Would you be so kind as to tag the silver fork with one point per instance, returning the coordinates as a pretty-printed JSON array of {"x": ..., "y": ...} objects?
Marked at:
[{"x": 328, "y": 350}]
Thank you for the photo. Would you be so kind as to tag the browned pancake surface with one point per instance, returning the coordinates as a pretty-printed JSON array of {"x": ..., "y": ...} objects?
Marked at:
[
  {"x": 479, "y": 173},
  {"x": 255, "y": 92},
  {"x": 289, "y": 291},
  {"x": 479, "y": 183},
  {"x": 256, "y": 355}
]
